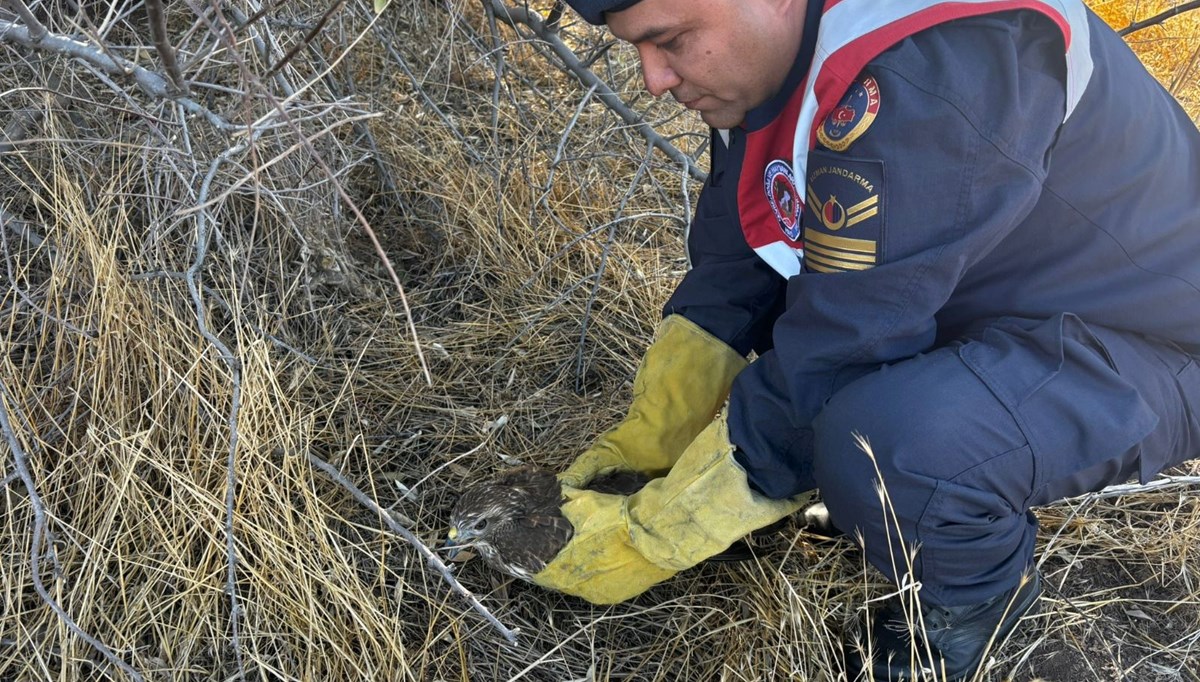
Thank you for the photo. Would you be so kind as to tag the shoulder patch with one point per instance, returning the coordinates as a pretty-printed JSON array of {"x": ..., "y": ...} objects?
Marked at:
[
  {"x": 843, "y": 215},
  {"x": 780, "y": 185},
  {"x": 852, "y": 116}
]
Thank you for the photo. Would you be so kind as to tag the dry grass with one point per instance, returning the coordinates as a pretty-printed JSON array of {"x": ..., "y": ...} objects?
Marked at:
[{"x": 534, "y": 261}]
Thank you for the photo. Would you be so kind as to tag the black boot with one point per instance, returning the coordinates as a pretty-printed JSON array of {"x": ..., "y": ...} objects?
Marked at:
[{"x": 947, "y": 643}]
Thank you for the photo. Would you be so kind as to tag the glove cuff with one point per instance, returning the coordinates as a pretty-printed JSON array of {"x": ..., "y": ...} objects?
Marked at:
[
  {"x": 681, "y": 384},
  {"x": 702, "y": 506}
]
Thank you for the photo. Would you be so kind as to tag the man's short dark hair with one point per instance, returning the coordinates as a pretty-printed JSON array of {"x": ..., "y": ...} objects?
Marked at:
[{"x": 593, "y": 10}]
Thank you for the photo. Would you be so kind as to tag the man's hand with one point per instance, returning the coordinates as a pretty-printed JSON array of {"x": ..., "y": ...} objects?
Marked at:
[
  {"x": 599, "y": 564},
  {"x": 680, "y": 386},
  {"x": 624, "y": 545}
]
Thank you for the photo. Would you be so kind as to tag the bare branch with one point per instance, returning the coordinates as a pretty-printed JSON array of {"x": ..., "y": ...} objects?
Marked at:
[
  {"x": 311, "y": 36},
  {"x": 467, "y": 145},
  {"x": 148, "y": 81},
  {"x": 192, "y": 277},
  {"x": 37, "y": 30},
  {"x": 360, "y": 219},
  {"x": 265, "y": 45},
  {"x": 1159, "y": 18},
  {"x": 157, "y": 18},
  {"x": 518, "y": 15},
  {"x": 431, "y": 558}
]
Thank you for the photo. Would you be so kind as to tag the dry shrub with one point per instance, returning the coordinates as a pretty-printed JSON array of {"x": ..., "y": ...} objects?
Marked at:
[
  {"x": 536, "y": 240},
  {"x": 1170, "y": 50}
]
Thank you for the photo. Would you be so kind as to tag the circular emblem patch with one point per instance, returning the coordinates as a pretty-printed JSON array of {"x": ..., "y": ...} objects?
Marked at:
[
  {"x": 853, "y": 115},
  {"x": 780, "y": 185}
]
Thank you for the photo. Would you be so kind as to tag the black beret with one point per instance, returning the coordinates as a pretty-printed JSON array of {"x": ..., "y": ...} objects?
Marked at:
[{"x": 593, "y": 10}]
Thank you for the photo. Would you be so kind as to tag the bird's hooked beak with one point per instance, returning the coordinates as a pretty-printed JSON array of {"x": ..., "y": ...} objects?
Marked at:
[{"x": 452, "y": 541}]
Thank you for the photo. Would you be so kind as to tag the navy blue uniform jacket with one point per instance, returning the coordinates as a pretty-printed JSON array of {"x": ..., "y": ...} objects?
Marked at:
[{"x": 947, "y": 191}]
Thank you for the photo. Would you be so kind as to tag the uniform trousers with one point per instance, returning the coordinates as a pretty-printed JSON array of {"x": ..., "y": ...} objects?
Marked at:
[{"x": 968, "y": 437}]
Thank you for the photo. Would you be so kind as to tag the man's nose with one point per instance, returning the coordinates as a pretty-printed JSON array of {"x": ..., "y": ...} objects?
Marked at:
[{"x": 657, "y": 72}]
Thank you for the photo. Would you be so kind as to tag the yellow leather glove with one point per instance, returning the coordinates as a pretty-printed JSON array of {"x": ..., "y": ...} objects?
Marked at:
[
  {"x": 624, "y": 545},
  {"x": 683, "y": 380}
]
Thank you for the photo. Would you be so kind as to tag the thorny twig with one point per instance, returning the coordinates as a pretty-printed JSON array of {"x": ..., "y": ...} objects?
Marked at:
[
  {"x": 23, "y": 471},
  {"x": 431, "y": 558}
]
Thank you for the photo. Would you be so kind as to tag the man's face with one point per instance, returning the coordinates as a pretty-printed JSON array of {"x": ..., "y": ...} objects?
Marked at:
[{"x": 721, "y": 58}]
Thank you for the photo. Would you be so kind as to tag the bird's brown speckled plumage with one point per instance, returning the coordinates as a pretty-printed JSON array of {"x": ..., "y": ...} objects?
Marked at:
[{"x": 515, "y": 522}]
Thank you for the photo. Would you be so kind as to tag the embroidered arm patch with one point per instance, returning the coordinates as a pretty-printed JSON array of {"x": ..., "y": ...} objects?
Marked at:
[
  {"x": 843, "y": 214},
  {"x": 853, "y": 116}
]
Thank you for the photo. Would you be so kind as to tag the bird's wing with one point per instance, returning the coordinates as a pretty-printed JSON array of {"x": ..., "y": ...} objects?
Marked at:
[{"x": 532, "y": 542}]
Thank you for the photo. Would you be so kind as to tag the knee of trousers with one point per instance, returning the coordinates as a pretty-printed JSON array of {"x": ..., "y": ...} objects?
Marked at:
[{"x": 914, "y": 431}]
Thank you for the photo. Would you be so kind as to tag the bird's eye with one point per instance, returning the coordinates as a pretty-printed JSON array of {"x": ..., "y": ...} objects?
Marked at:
[{"x": 481, "y": 524}]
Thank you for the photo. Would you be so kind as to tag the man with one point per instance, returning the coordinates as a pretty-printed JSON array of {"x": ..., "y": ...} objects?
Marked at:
[{"x": 967, "y": 232}]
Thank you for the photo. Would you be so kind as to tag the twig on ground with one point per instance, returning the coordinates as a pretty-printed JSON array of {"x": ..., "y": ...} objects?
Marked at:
[
  {"x": 431, "y": 558},
  {"x": 1164, "y": 483},
  {"x": 23, "y": 471},
  {"x": 192, "y": 277}
]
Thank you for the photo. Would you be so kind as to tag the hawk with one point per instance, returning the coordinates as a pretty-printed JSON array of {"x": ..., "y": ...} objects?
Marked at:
[{"x": 515, "y": 522}]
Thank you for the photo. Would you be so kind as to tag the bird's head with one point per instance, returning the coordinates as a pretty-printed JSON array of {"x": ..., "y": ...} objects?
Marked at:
[
  {"x": 471, "y": 528},
  {"x": 514, "y": 521}
]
